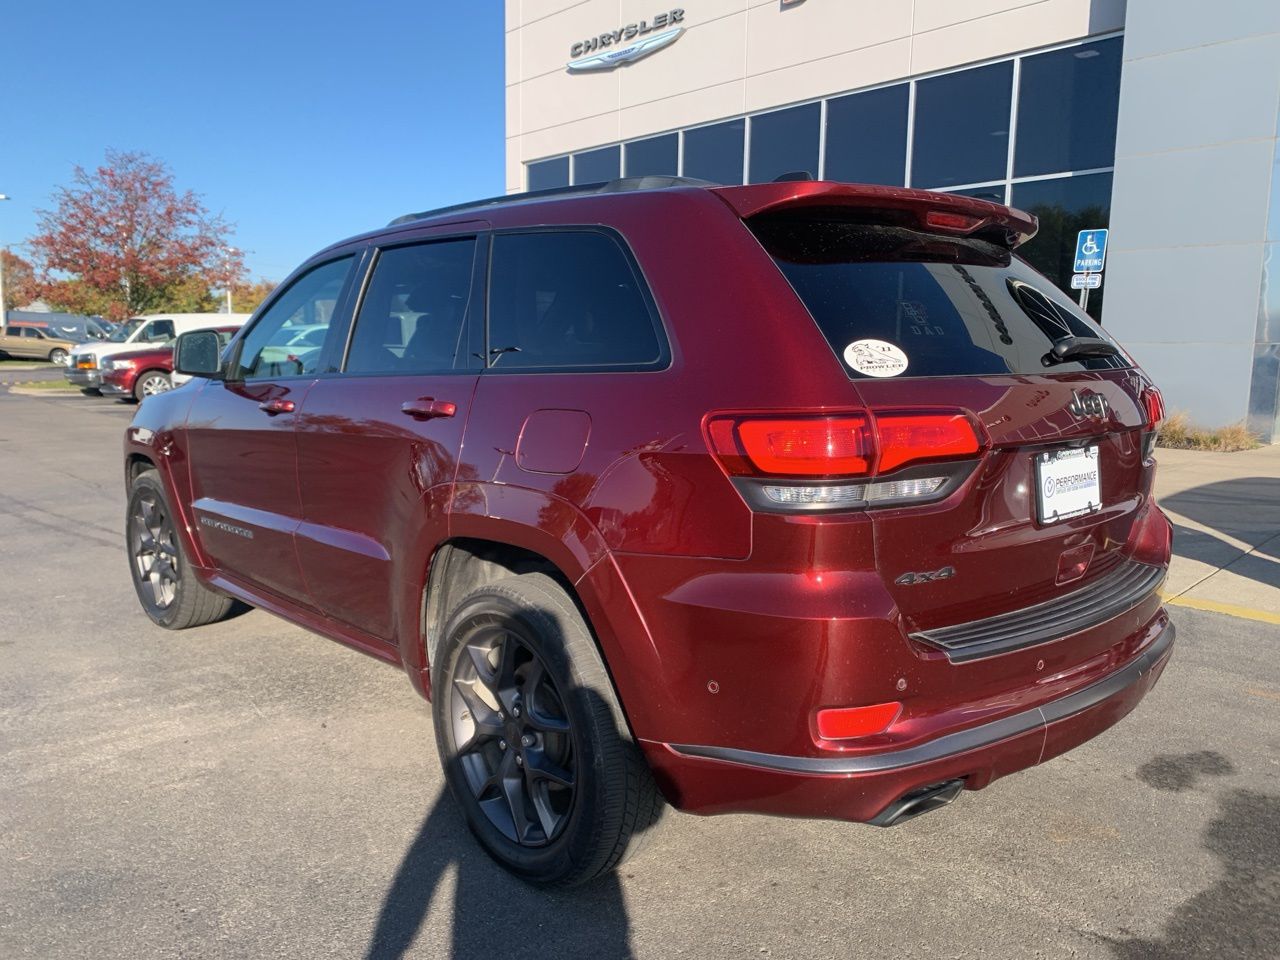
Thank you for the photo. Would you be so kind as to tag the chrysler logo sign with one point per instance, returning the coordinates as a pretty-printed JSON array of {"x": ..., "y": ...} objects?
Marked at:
[{"x": 626, "y": 44}]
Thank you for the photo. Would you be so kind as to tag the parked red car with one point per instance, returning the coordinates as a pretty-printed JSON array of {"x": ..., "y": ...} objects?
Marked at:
[
  {"x": 139, "y": 374},
  {"x": 801, "y": 498}
]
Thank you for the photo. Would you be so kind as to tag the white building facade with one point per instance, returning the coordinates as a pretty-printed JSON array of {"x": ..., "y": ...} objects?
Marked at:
[{"x": 1155, "y": 119}]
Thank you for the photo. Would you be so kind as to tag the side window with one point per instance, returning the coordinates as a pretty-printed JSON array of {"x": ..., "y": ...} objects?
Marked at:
[
  {"x": 286, "y": 340},
  {"x": 567, "y": 299},
  {"x": 30, "y": 333},
  {"x": 411, "y": 319},
  {"x": 158, "y": 331}
]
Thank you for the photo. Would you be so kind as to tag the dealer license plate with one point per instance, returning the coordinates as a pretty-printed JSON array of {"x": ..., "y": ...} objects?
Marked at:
[{"x": 1068, "y": 484}]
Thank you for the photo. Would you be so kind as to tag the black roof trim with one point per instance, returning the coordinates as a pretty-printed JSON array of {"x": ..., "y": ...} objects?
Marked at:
[{"x": 622, "y": 185}]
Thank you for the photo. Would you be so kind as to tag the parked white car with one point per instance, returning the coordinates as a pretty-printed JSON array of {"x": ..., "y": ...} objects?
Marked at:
[{"x": 84, "y": 369}]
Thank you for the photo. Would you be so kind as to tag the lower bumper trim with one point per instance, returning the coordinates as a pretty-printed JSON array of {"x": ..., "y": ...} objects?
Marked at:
[{"x": 961, "y": 741}]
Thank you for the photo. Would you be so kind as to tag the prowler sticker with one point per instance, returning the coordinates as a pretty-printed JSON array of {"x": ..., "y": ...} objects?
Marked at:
[{"x": 875, "y": 358}]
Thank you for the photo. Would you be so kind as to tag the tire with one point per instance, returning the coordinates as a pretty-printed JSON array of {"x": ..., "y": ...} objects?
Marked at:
[
  {"x": 168, "y": 591},
  {"x": 57, "y": 355},
  {"x": 515, "y": 660},
  {"x": 150, "y": 383}
]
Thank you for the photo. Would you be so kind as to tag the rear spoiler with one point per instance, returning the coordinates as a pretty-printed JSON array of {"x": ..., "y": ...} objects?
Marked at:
[{"x": 935, "y": 212}]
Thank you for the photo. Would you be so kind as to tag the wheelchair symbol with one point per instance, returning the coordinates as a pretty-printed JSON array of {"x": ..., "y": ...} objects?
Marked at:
[{"x": 1089, "y": 248}]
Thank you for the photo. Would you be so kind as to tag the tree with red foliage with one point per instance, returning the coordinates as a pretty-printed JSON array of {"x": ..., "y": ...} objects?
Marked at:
[
  {"x": 20, "y": 286},
  {"x": 121, "y": 238}
]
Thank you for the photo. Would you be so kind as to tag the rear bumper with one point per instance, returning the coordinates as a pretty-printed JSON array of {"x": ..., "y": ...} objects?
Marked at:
[{"x": 709, "y": 779}]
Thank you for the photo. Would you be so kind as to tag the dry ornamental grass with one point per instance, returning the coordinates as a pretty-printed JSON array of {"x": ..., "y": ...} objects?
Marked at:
[{"x": 1178, "y": 433}]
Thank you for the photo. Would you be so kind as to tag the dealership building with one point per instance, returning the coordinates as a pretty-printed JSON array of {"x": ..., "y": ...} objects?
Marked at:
[{"x": 1153, "y": 119}]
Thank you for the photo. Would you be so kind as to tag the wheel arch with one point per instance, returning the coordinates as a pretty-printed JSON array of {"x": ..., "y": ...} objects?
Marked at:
[{"x": 463, "y": 564}]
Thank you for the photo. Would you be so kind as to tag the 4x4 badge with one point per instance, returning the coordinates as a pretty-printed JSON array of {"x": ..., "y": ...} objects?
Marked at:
[
  {"x": 1088, "y": 405},
  {"x": 927, "y": 576}
]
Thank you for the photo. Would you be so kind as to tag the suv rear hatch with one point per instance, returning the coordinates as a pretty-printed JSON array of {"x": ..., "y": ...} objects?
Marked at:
[{"x": 936, "y": 322}]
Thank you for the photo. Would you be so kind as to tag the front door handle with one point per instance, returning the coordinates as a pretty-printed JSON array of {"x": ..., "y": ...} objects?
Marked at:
[
  {"x": 272, "y": 407},
  {"x": 426, "y": 408}
]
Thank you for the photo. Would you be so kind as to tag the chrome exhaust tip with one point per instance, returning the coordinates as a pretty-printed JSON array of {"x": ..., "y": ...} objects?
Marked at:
[{"x": 918, "y": 802}]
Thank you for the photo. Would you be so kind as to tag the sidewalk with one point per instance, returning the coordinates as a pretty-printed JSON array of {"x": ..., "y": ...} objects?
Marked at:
[{"x": 1225, "y": 508}]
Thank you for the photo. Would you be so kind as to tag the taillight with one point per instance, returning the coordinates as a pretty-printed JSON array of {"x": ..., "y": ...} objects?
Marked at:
[
  {"x": 1153, "y": 404},
  {"x": 806, "y": 461},
  {"x": 910, "y": 437}
]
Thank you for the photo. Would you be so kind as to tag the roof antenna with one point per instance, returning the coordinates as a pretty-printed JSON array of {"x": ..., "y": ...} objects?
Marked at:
[{"x": 793, "y": 176}]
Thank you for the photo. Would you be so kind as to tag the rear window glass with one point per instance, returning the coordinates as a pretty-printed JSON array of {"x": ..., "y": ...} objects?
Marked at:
[
  {"x": 567, "y": 299},
  {"x": 945, "y": 306}
]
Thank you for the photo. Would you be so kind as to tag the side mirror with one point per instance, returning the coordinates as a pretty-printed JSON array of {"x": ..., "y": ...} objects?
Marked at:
[{"x": 198, "y": 354}]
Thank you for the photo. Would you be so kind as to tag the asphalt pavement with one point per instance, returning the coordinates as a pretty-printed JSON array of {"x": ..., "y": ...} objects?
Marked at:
[{"x": 252, "y": 790}]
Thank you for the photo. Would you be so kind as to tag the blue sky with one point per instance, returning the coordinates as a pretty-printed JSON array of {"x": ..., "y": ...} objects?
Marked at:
[{"x": 300, "y": 122}]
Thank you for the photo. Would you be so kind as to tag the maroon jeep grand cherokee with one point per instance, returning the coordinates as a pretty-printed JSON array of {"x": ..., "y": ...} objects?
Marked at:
[{"x": 802, "y": 498}]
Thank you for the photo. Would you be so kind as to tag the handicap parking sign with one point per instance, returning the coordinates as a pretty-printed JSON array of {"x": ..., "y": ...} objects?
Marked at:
[{"x": 1091, "y": 251}]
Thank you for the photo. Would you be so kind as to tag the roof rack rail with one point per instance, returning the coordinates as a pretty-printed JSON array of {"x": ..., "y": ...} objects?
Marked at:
[{"x": 621, "y": 185}]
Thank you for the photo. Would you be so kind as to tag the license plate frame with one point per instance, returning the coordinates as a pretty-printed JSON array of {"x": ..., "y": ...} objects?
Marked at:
[{"x": 1068, "y": 484}]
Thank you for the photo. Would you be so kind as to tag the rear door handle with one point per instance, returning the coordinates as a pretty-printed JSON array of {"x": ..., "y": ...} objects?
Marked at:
[
  {"x": 272, "y": 407},
  {"x": 426, "y": 408}
]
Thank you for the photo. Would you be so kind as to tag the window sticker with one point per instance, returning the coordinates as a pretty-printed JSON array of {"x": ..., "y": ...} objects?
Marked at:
[{"x": 875, "y": 358}]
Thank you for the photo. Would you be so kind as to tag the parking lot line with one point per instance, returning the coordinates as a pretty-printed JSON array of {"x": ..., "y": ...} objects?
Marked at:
[{"x": 1230, "y": 609}]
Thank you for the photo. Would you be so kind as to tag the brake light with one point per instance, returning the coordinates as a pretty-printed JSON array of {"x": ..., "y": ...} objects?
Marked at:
[
  {"x": 908, "y": 438},
  {"x": 768, "y": 456},
  {"x": 825, "y": 447},
  {"x": 1153, "y": 404},
  {"x": 960, "y": 222},
  {"x": 845, "y": 723}
]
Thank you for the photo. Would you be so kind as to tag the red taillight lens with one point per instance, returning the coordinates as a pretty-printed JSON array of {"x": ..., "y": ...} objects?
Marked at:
[
  {"x": 844, "y": 723},
  {"x": 910, "y": 437},
  {"x": 848, "y": 445},
  {"x": 1153, "y": 401},
  {"x": 795, "y": 447}
]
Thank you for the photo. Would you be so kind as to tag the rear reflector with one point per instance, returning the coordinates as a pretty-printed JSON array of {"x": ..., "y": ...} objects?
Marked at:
[{"x": 844, "y": 723}]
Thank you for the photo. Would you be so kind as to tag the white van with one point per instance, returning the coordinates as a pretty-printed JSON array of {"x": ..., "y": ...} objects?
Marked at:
[{"x": 84, "y": 368}]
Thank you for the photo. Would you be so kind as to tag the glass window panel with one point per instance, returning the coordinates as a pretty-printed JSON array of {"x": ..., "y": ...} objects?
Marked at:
[
  {"x": 785, "y": 141},
  {"x": 867, "y": 137},
  {"x": 287, "y": 339},
  {"x": 715, "y": 153},
  {"x": 994, "y": 193},
  {"x": 654, "y": 157},
  {"x": 1067, "y": 103},
  {"x": 412, "y": 314},
  {"x": 547, "y": 174},
  {"x": 962, "y": 127},
  {"x": 567, "y": 299},
  {"x": 1065, "y": 207},
  {"x": 597, "y": 166}
]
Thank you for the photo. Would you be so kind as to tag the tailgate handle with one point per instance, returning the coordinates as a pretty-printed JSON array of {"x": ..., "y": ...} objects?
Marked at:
[
  {"x": 425, "y": 408},
  {"x": 272, "y": 407}
]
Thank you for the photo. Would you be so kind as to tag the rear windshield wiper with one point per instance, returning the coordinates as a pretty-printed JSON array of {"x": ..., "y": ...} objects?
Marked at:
[{"x": 1073, "y": 348}]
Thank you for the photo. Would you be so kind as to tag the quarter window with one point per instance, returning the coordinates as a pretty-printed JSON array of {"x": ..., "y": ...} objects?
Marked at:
[
  {"x": 411, "y": 319},
  {"x": 286, "y": 340},
  {"x": 567, "y": 299}
]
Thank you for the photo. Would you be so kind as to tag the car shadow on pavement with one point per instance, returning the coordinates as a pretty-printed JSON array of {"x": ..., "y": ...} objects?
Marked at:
[
  {"x": 1238, "y": 916},
  {"x": 1246, "y": 509},
  {"x": 493, "y": 913}
]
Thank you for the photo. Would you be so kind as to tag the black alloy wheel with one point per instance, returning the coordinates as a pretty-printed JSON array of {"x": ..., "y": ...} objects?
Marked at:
[
  {"x": 515, "y": 743},
  {"x": 169, "y": 594},
  {"x": 535, "y": 747},
  {"x": 154, "y": 550}
]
